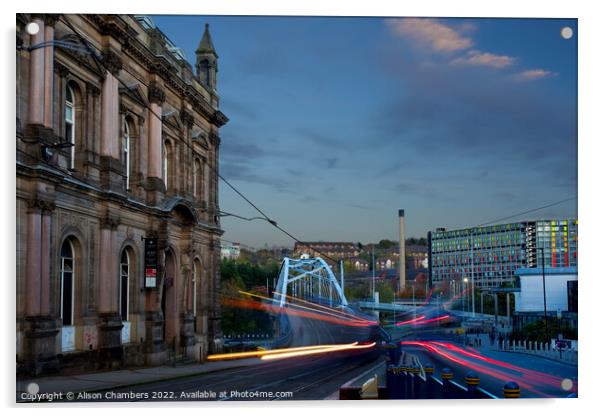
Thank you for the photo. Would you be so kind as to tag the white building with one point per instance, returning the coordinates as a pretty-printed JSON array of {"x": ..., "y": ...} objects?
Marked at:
[
  {"x": 230, "y": 251},
  {"x": 530, "y": 297}
]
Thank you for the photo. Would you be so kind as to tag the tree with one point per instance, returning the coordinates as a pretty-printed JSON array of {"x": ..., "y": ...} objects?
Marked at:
[{"x": 386, "y": 244}]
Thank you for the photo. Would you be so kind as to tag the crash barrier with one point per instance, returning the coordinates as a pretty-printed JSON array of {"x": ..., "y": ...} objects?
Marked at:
[
  {"x": 407, "y": 378},
  {"x": 413, "y": 382},
  {"x": 558, "y": 349}
]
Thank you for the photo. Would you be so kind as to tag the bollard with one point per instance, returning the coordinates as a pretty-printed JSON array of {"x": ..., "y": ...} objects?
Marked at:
[
  {"x": 472, "y": 381},
  {"x": 399, "y": 383},
  {"x": 394, "y": 383},
  {"x": 416, "y": 383},
  {"x": 389, "y": 379},
  {"x": 429, "y": 370},
  {"x": 446, "y": 377},
  {"x": 511, "y": 390}
]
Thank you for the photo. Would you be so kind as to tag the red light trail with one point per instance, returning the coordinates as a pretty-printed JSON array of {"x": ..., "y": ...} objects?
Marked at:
[{"x": 505, "y": 371}]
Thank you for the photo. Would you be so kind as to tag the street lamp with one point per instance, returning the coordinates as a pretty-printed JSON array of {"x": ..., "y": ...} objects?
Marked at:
[
  {"x": 465, "y": 295},
  {"x": 545, "y": 307},
  {"x": 472, "y": 269}
]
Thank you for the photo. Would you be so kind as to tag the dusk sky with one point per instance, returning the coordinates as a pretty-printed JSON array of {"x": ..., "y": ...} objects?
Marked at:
[{"x": 336, "y": 123}]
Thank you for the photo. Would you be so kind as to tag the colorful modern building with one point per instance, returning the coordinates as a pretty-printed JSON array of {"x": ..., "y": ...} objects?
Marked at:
[{"x": 492, "y": 254}]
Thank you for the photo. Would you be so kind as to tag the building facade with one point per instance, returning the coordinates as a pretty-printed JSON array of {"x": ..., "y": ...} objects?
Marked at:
[
  {"x": 335, "y": 249},
  {"x": 492, "y": 254},
  {"x": 560, "y": 296},
  {"x": 117, "y": 149},
  {"x": 230, "y": 251}
]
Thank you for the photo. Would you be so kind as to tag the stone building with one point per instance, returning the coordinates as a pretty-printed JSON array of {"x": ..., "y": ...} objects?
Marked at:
[
  {"x": 334, "y": 249},
  {"x": 117, "y": 147}
]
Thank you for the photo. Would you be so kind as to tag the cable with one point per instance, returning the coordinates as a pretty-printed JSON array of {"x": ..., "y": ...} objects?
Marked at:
[{"x": 527, "y": 212}]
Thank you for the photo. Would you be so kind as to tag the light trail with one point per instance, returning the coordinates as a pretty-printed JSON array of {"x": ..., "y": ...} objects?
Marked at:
[
  {"x": 249, "y": 354},
  {"x": 336, "y": 314},
  {"x": 325, "y": 307},
  {"x": 411, "y": 320},
  {"x": 449, "y": 302},
  {"x": 437, "y": 319},
  {"x": 427, "y": 298},
  {"x": 342, "y": 347},
  {"x": 257, "y": 305},
  {"x": 503, "y": 374},
  {"x": 532, "y": 375}
]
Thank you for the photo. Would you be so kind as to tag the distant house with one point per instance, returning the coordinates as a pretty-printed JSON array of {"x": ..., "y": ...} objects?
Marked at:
[
  {"x": 230, "y": 251},
  {"x": 334, "y": 249},
  {"x": 360, "y": 265}
]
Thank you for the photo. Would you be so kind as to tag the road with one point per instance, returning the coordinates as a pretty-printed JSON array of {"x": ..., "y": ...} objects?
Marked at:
[
  {"x": 299, "y": 378},
  {"x": 536, "y": 376}
]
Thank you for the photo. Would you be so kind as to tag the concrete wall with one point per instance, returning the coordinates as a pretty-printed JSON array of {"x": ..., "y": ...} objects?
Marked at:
[{"x": 530, "y": 297}]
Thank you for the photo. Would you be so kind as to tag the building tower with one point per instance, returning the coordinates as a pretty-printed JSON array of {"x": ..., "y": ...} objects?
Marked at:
[
  {"x": 402, "y": 250},
  {"x": 206, "y": 61}
]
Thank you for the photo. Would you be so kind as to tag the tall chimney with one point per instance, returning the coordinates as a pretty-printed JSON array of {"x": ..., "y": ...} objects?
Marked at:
[{"x": 402, "y": 250}]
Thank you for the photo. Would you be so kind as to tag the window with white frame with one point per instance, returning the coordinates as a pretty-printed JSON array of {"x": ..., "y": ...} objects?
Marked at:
[
  {"x": 70, "y": 124},
  {"x": 66, "y": 270},
  {"x": 124, "y": 292},
  {"x": 165, "y": 165},
  {"x": 126, "y": 153}
]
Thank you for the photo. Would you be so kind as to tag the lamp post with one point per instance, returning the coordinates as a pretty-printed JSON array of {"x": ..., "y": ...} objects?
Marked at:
[
  {"x": 472, "y": 269},
  {"x": 545, "y": 307},
  {"x": 414, "y": 302},
  {"x": 373, "y": 276},
  {"x": 465, "y": 295}
]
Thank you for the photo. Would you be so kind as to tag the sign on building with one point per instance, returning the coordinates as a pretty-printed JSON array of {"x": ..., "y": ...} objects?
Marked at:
[{"x": 150, "y": 262}]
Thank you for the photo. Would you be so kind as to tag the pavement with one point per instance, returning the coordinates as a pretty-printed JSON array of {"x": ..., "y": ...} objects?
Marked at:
[
  {"x": 486, "y": 345},
  {"x": 110, "y": 380}
]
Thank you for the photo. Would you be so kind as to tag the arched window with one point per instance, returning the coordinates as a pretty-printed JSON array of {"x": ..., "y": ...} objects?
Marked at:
[
  {"x": 70, "y": 124},
  {"x": 124, "y": 291},
  {"x": 66, "y": 269},
  {"x": 126, "y": 152}
]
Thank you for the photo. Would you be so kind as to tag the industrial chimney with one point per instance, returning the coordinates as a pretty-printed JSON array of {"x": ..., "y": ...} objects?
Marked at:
[{"x": 402, "y": 250}]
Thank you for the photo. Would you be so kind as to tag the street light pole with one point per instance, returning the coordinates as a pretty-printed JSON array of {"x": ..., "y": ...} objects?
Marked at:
[
  {"x": 414, "y": 301},
  {"x": 373, "y": 277},
  {"x": 545, "y": 307},
  {"x": 472, "y": 268}
]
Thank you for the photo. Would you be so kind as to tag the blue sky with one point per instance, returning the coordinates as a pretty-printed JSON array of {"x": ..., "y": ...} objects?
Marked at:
[{"x": 336, "y": 123}]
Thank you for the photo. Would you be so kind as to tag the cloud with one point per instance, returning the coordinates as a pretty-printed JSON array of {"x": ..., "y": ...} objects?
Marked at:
[
  {"x": 477, "y": 58},
  {"x": 432, "y": 33},
  {"x": 243, "y": 173},
  {"x": 534, "y": 74},
  {"x": 475, "y": 118},
  {"x": 331, "y": 162}
]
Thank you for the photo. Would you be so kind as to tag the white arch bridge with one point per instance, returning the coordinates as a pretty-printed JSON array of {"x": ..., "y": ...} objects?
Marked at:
[{"x": 308, "y": 279}]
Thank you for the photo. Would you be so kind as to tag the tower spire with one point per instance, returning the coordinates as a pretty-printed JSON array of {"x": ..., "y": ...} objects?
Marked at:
[
  {"x": 206, "y": 43},
  {"x": 206, "y": 60}
]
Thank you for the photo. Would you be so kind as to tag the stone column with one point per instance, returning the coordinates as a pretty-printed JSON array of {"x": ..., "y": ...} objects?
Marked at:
[
  {"x": 156, "y": 97},
  {"x": 114, "y": 264},
  {"x": 112, "y": 173},
  {"x": 104, "y": 270},
  {"x": 36, "y": 76},
  {"x": 40, "y": 328},
  {"x": 45, "y": 261},
  {"x": 110, "y": 114},
  {"x": 214, "y": 332},
  {"x": 34, "y": 259},
  {"x": 49, "y": 21},
  {"x": 109, "y": 320}
]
